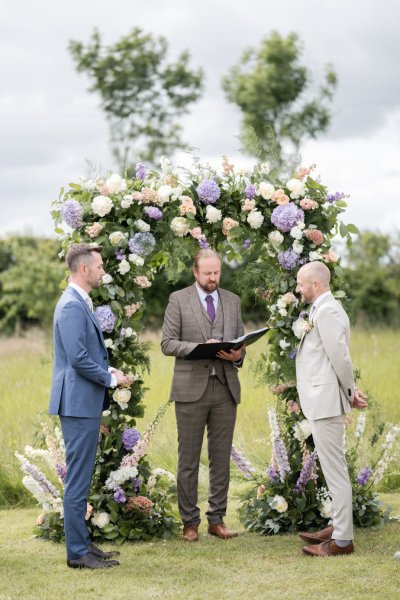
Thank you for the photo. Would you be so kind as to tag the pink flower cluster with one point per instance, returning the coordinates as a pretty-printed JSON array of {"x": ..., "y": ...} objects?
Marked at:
[
  {"x": 315, "y": 236},
  {"x": 280, "y": 197},
  {"x": 141, "y": 503},
  {"x": 187, "y": 206},
  {"x": 130, "y": 309},
  {"x": 94, "y": 230},
  {"x": 308, "y": 204}
]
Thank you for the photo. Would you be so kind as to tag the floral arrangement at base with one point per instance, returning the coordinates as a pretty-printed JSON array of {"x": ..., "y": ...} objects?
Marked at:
[
  {"x": 291, "y": 499},
  {"x": 135, "y": 506}
]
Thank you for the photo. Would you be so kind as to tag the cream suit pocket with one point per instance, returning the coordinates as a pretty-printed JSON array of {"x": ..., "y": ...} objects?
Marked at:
[{"x": 323, "y": 379}]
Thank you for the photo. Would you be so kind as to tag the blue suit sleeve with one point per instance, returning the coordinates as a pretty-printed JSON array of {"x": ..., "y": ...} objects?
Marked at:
[{"x": 72, "y": 328}]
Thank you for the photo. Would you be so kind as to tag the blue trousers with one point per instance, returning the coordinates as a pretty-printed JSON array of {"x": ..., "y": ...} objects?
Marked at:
[{"x": 81, "y": 437}]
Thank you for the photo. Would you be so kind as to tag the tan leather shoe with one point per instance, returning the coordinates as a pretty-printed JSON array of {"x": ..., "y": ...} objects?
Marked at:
[
  {"x": 190, "y": 533},
  {"x": 328, "y": 548},
  {"x": 316, "y": 537},
  {"x": 220, "y": 530}
]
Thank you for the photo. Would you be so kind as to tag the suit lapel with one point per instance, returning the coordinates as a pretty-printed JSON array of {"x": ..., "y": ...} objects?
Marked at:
[
  {"x": 196, "y": 307},
  {"x": 91, "y": 315},
  {"x": 226, "y": 308}
]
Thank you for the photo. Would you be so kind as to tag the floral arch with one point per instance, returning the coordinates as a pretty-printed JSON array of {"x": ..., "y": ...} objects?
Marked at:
[{"x": 157, "y": 221}]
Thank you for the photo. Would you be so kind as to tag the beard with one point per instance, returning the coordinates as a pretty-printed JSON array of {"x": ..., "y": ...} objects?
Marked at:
[{"x": 210, "y": 287}]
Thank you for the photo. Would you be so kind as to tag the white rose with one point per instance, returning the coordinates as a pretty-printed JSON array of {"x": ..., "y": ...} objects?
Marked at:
[
  {"x": 102, "y": 205},
  {"x": 283, "y": 313},
  {"x": 127, "y": 201},
  {"x": 325, "y": 509},
  {"x": 180, "y": 226},
  {"x": 164, "y": 192},
  {"x": 89, "y": 184},
  {"x": 128, "y": 332},
  {"x": 142, "y": 226},
  {"x": 109, "y": 343},
  {"x": 107, "y": 278},
  {"x": 279, "y": 504},
  {"x": 297, "y": 247},
  {"x": 296, "y": 188},
  {"x": 300, "y": 224},
  {"x": 255, "y": 219},
  {"x": 296, "y": 233},
  {"x": 314, "y": 256},
  {"x": 106, "y": 413},
  {"x": 116, "y": 238},
  {"x": 177, "y": 192},
  {"x": 122, "y": 396},
  {"x": 265, "y": 190},
  {"x": 213, "y": 215},
  {"x": 136, "y": 260},
  {"x": 275, "y": 238},
  {"x": 115, "y": 184},
  {"x": 101, "y": 519},
  {"x": 124, "y": 267},
  {"x": 284, "y": 344},
  {"x": 299, "y": 327}
]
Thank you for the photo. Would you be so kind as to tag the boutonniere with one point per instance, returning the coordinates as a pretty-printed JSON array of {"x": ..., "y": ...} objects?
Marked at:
[{"x": 302, "y": 325}]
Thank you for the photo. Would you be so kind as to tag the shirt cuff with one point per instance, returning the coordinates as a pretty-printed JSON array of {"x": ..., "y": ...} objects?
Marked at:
[{"x": 113, "y": 383}]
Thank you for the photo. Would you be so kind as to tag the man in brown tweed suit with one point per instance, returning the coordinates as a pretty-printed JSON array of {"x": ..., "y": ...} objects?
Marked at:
[{"x": 206, "y": 392}]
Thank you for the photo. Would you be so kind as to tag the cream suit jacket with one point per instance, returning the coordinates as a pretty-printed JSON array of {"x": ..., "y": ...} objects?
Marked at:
[
  {"x": 324, "y": 371},
  {"x": 184, "y": 328}
]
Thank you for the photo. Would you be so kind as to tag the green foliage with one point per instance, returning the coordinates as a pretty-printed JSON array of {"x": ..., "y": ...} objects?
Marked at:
[
  {"x": 30, "y": 275},
  {"x": 274, "y": 92},
  {"x": 373, "y": 275},
  {"x": 142, "y": 94}
]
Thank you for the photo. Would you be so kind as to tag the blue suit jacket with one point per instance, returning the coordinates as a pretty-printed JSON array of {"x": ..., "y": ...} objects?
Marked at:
[{"x": 80, "y": 370}]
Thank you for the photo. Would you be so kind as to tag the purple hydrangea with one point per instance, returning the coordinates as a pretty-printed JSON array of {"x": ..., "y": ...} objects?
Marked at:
[
  {"x": 246, "y": 244},
  {"x": 105, "y": 317},
  {"x": 203, "y": 244},
  {"x": 72, "y": 213},
  {"x": 285, "y": 216},
  {"x": 136, "y": 484},
  {"x": 335, "y": 197},
  {"x": 119, "y": 255},
  {"x": 119, "y": 495},
  {"x": 305, "y": 473},
  {"x": 153, "y": 212},
  {"x": 141, "y": 171},
  {"x": 142, "y": 243},
  {"x": 364, "y": 475},
  {"x": 130, "y": 437},
  {"x": 288, "y": 259},
  {"x": 208, "y": 191},
  {"x": 250, "y": 191}
]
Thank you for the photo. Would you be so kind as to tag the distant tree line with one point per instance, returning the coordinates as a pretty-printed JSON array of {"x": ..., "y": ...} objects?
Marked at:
[{"x": 31, "y": 274}]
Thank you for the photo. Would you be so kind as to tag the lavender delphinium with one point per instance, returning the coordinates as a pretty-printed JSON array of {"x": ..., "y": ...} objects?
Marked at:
[
  {"x": 208, "y": 191},
  {"x": 203, "y": 244},
  {"x": 250, "y": 191},
  {"x": 119, "y": 255},
  {"x": 61, "y": 471},
  {"x": 72, "y": 213},
  {"x": 141, "y": 171},
  {"x": 242, "y": 463},
  {"x": 335, "y": 197},
  {"x": 288, "y": 259},
  {"x": 119, "y": 495},
  {"x": 130, "y": 438},
  {"x": 142, "y": 243},
  {"x": 305, "y": 473},
  {"x": 246, "y": 244},
  {"x": 292, "y": 354},
  {"x": 281, "y": 458},
  {"x": 105, "y": 317},
  {"x": 286, "y": 216},
  {"x": 153, "y": 212},
  {"x": 136, "y": 484},
  {"x": 273, "y": 473},
  {"x": 364, "y": 475}
]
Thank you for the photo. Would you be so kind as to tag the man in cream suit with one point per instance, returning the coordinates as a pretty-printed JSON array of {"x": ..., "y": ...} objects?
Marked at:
[
  {"x": 325, "y": 384},
  {"x": 206, "y": 392}
]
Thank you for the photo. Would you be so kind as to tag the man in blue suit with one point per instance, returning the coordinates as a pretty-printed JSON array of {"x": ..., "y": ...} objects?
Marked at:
[{"x": 81, "y": 376}]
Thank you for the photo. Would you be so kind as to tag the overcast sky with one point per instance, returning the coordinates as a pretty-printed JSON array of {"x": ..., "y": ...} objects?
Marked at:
[{"x": 50, "y": 124}]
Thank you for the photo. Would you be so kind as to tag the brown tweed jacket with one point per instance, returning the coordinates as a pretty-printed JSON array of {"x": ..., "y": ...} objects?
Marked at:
[{"x": 184, "y": 328}]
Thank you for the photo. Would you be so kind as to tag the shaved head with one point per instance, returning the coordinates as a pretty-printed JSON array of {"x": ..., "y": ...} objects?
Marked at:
[{"x": 313, "y": 280}]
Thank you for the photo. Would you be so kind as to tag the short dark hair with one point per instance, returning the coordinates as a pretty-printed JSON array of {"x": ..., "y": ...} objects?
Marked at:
[{"x": 76, "y": 254}]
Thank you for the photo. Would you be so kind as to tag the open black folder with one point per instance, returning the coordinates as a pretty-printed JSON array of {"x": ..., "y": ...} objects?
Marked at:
[{"x": 211, "y": 350}]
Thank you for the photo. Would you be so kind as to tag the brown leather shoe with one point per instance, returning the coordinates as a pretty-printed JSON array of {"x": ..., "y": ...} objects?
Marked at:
[
  {"x": 220, "y": 530},
  {"x": 190, "y": 533},
  {"x": 328, "y": 548},
  {"x": 316, "y": 537}
]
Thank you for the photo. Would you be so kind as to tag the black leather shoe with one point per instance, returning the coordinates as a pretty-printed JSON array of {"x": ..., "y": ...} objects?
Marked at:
[
  {"x": 89, "y": 561},
  {"x": 99, "y": 553}
]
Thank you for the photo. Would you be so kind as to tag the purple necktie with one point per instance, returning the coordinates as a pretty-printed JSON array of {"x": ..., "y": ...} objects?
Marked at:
[{"x": 210, "y": 308}]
